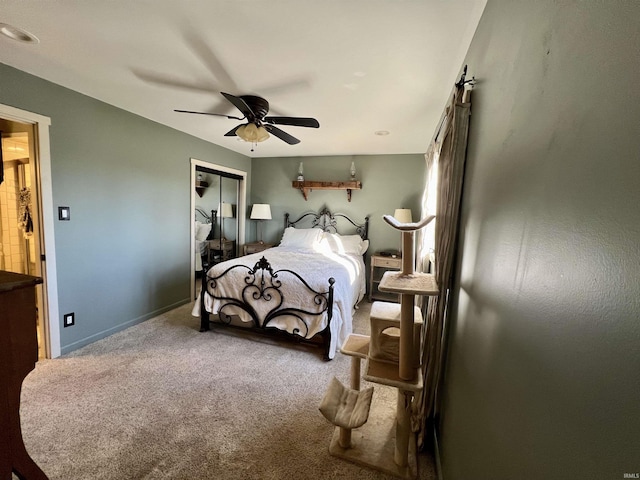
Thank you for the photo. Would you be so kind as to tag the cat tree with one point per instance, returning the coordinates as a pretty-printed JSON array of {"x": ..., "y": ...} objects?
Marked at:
[{"x": 392, "y": 360}]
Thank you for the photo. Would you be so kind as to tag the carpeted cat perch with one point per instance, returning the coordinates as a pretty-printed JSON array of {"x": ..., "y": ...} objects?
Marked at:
[{"x": 392, "y": 353}]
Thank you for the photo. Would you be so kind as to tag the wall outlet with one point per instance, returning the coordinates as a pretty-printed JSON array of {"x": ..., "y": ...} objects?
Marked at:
[{"x": 69, "y": 319}]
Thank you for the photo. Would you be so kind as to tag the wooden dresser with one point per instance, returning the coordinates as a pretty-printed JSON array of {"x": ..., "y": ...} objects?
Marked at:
[{"x": 18, "y": 356}]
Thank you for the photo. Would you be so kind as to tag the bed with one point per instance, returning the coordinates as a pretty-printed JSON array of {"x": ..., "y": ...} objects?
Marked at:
[{"x": 306, "y": 288}]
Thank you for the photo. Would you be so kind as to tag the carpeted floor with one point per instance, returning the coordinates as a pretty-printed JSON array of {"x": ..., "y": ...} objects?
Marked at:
[{"x": 161, "y": 400}]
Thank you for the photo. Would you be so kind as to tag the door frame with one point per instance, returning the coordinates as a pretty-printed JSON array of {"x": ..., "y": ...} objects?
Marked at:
[
  {"x": 42, "y": 170},
  {"x": 241, "y": 210}
]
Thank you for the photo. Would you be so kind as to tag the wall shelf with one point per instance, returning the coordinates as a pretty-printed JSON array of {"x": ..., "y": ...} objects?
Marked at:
[
  {"x": 201, "y": 187},
  {"x": 307, "y": 186}
]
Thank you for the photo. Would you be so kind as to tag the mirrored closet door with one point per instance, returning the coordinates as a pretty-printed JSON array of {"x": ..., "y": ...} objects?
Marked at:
[{"x": 216, "y": 217}]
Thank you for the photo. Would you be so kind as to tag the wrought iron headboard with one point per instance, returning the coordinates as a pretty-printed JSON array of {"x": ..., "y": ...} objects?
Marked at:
[
  {"x": 210, "y": 219},
  {"x": 327, "y": 221}
]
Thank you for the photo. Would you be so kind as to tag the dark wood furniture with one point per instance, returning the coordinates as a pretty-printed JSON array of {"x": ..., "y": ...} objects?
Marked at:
[{"x": 18, "y": 356}]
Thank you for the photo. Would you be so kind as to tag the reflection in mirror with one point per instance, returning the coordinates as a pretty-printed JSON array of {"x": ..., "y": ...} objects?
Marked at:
[{"x": 216, "y": 227}]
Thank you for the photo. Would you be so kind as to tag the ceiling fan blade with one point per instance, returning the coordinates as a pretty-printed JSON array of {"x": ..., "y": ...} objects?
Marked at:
[
  {"x": 285, "y": 86},
  {"x": 240, "y": 104},
  {"x": 207, "y": 113},
  {"x": 232, "y": 132},
  {"x": 208, "y": 57},
  {"x": 282, "y": 135},
  {"x": 293, "y": 121},
  {"x": 170, "y": 81}
]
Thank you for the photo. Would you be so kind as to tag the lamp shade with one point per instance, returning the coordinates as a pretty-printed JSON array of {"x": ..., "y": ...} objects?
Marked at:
[
  {"x": 403, "y": 215},
  {"x": 226, "y": 210},
  {"x": 261, "y": 211}
]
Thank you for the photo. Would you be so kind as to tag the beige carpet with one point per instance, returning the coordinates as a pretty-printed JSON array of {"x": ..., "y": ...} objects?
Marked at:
[{"x": 161, "y": 400}]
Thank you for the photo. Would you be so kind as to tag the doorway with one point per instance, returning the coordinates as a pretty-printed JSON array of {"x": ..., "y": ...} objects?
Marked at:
[
  {"x": 19, "y": 228},
  {"x": 26, "y": 221},
  {"x": 218, "y": 203}
]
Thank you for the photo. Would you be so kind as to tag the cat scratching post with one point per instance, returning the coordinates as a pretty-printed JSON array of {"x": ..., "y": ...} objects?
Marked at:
[
  {"x": 408, "y": 284},
  {"x": 357, "y": 347},
  {"x": 346, "y": 408},
  {"x": 391, "y": 360}
]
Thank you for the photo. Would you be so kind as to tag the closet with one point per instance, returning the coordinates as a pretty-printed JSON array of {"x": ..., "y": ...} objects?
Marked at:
[{"x": 216, "y": 216}]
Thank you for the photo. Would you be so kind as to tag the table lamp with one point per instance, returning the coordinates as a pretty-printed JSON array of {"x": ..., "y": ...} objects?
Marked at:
[
  {"x": 260, "y": 212},
  {"x": 403, "y": 215},
  {"x": 226, "y": 211}
]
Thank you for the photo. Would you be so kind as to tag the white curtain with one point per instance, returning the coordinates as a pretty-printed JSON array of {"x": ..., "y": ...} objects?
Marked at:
[{"x": 437, "y": 248}]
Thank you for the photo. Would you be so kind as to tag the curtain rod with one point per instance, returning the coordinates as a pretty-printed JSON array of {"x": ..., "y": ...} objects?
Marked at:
[{"x": 462, "y": 82}]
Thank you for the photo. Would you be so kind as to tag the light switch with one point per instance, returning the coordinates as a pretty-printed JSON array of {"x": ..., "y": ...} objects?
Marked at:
[{"x": 64, "y": 213}]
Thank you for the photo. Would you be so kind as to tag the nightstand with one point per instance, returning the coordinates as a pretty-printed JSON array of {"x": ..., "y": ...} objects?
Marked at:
[
  {"x": 220, "y": 250},
  {"x": 255, "y": 247},
  {"x": 379, "y": 265}
]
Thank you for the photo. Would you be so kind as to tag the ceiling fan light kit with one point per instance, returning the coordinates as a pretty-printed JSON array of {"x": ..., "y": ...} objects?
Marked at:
[
  {"x": 259, "y": 125},
  {"x": 252, "y": 133}
]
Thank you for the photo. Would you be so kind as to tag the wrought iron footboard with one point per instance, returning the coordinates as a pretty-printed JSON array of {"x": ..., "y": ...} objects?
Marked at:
[{"x": 264, "y": 286}]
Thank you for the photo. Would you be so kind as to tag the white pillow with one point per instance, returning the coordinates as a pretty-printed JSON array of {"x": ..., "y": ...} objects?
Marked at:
[
  {"x": 364, "y": 246},
  {"x": 349, "y": 244},
  {"x": 202, "y": 231},
  {"x": 301, "y": 237}
]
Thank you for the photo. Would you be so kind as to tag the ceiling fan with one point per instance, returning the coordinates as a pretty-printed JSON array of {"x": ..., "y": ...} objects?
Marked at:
[{"x": 259, "y": 125}]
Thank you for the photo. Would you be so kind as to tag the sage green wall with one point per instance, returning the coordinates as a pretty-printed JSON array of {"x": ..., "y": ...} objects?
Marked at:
[
  {"x": 125, "y": 254},
  {"x": 543, "y": 377},
  {"x": 388, "y": 182}
]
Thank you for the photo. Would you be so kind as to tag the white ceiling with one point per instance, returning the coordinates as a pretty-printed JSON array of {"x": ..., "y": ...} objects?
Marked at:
[{"x": 358, "y": 66}]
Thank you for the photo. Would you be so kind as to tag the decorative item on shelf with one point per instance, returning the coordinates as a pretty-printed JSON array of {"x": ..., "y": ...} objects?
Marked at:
[
  {"x": 260, "y": 212},
  {"x": 300, "y": 173},
  {"x": 226, "y": 211},
  {"x": 201, "y": 184},
  {"x": 352, "y": 171}
]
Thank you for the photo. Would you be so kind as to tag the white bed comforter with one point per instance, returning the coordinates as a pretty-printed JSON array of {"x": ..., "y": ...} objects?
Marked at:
[{"x": 313, "y": 266}]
